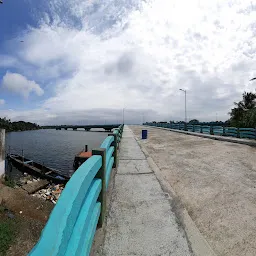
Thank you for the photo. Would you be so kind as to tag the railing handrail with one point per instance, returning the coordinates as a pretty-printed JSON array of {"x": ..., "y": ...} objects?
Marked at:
[
  {"x": 52, "y": 242},
  {"x": 71, "y": 226}
]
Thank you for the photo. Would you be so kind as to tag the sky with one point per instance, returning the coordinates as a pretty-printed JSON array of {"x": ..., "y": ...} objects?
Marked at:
[{"x": 84, "y": 61}]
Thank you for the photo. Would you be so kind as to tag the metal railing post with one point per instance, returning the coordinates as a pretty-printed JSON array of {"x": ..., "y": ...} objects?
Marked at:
[
  {"x": 102, "y": 175},
  {"x": 211, "y": 129}
]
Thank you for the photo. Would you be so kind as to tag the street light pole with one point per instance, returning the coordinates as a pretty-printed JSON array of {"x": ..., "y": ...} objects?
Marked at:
[
  {"x": 185, "y": 104},
  {"x": 123, "y": 115}
]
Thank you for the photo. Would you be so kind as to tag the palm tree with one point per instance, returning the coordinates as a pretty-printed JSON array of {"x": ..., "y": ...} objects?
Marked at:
[
  {"x": 243, "y": 114},
  {"x": 248, "y": 101}
]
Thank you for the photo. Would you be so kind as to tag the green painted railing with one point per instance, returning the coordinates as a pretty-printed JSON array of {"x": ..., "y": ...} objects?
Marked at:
[
  {"x": 81, "y": 207},
  {"x": 248, "y": 133}
]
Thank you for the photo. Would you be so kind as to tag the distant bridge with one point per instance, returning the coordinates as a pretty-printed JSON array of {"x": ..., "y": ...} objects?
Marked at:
[{"x": 106, "y": 127}]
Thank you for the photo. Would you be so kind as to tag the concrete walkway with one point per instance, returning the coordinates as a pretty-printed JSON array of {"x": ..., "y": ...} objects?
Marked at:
[{"x": 140, "y": 219}]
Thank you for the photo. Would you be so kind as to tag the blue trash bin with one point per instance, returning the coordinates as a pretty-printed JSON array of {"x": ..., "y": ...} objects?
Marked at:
[{"x": 144, "y": 134}]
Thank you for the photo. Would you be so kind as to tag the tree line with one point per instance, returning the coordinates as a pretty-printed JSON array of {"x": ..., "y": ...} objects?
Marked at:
[{"x": 17, "y": 126}]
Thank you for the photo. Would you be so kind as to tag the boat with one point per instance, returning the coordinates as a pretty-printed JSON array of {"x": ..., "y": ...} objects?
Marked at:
[
  {"x": 38, "y": 170},
  {"x": 80, "y": 158}
]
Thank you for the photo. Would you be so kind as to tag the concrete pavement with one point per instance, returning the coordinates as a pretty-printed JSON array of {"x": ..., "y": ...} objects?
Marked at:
[
  {"x": 215, "y": 182},
  {"x": 141, "y": 220}
]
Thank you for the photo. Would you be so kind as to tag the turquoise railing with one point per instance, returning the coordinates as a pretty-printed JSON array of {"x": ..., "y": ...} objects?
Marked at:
[
  {"x": 81, "y": 207},
  {"x": 206, "y": 129},
  {"x": 218, "y": 130},
  {"x": 249, "y": 133}
]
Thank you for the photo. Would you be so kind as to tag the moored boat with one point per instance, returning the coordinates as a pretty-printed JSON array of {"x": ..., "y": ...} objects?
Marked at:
[{"x": 38, "y": 170}]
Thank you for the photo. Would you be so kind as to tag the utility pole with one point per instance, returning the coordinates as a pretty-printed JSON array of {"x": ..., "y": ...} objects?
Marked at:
[
  {"x": 123, "y": 115},
  {"x": 185, "y": 104}
]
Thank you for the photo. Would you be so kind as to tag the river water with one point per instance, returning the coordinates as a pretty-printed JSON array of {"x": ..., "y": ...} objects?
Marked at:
[{"x": 53, "y": 148}]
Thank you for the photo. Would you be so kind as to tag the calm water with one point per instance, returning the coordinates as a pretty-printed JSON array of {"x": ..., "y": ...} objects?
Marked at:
[{"x": 53, "y": 148}]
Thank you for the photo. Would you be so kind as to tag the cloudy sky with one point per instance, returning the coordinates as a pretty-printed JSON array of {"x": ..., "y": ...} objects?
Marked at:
[{"x": 83, "y": 61}]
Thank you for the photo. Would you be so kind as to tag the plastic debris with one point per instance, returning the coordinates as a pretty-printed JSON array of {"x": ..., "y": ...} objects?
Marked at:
[
  {"x": 26, "y": 179},
  {"x": 51, "y": 193}
]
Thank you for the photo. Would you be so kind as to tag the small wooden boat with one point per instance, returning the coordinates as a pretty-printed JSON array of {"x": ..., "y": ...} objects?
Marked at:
[
  {"x": 35, "y": 169},
  {"x": 80, "y": 158}
]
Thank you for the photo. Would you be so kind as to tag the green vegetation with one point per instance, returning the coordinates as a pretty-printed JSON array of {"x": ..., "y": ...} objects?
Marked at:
[
  {"x": 7, "y": 233},
  {"x": 9, "y": 182},
  {"x": 17, "y": 126},
  {"x": 244, "y": 112}
]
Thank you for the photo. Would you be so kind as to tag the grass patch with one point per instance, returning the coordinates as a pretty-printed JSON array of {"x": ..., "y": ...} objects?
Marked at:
[
  {"x": 2, "y": 209},
  {"x": 7, "y": 233},
  {"x": 8, "y": 181}
]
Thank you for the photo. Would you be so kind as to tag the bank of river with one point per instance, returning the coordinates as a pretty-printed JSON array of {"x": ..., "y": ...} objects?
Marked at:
[{"x": 55, "y": 149}]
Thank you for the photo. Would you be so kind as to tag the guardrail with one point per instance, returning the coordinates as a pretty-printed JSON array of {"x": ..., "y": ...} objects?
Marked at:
[
  {"x": 82, "y": 205},
  {"x": 248, "y": 133}
]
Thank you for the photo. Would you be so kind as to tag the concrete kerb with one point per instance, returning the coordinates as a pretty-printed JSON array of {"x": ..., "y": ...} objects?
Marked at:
[
  {"x": 199, "y": 245},
  {"x": 212, "y": 137}
]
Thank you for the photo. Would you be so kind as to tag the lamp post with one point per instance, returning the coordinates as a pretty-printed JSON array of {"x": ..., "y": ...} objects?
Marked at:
[
  {"x": 123, "y": 115},
  {"x": 185, "y": 104}
]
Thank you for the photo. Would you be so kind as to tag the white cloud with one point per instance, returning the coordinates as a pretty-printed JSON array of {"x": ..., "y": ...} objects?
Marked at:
[
  {"x": 2, "y": 102},
  {"x": 21, "y": 85},
  {"x": 7, "y": 61},
  {"x": 137, "y": 54}
]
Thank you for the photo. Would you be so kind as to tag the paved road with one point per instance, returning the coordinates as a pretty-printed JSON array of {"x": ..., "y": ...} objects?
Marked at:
[
  {"x": 140, "y": 220},
  {"x": 216, "y": 181}
]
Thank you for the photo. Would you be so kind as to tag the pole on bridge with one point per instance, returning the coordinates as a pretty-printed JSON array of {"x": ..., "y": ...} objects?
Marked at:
[
  {"x": 123, "y": 114},
  {"x": 102, "y": 175},
  {"x": 185, "y": 104},
  {"x": 115, "y": 148}
]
